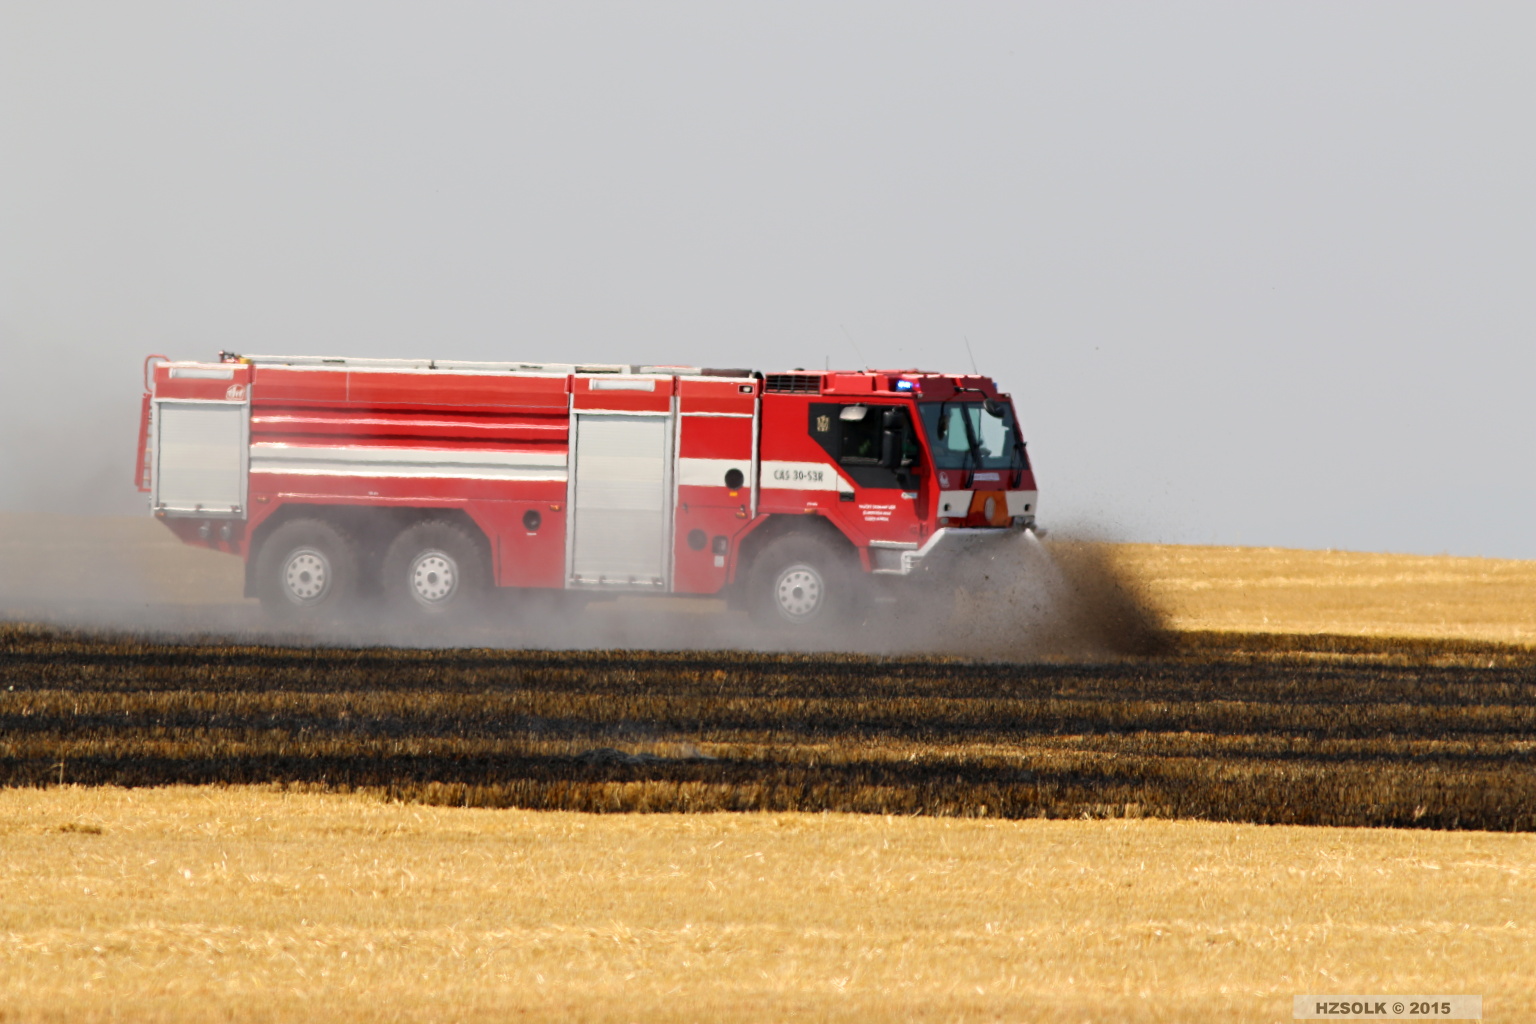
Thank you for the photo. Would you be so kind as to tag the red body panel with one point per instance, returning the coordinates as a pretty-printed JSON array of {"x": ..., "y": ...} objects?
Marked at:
[
  {"x": 590, "y": 393},
  {"x": 222, "y": 382},
  {"x": 436, "y": 426},
  {"x": 717, "y": 426}
]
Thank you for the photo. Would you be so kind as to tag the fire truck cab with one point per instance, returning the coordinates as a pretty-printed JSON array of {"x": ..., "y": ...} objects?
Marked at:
[{"x": 429, "y": 483}]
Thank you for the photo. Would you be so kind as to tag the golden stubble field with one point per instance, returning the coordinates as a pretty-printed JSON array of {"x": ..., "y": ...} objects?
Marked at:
[
  {"x": 265, "y": 903},
  {"x": 1280, "y": 590},
  {"x": 199, "y": 904}
]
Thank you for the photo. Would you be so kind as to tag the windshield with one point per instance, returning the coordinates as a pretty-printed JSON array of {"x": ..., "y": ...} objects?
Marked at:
[{"x": 953, "y": 428}]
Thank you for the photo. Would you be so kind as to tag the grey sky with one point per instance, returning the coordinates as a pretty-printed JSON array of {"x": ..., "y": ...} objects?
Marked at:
[{"x": 1255, "y": 274}]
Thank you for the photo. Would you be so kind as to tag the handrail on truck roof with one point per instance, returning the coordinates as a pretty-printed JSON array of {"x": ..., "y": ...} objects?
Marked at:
[{"x": 353, "y": 363}]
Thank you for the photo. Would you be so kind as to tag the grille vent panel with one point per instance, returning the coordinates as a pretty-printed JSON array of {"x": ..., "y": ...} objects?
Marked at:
[{"x": 793, "y": 383}]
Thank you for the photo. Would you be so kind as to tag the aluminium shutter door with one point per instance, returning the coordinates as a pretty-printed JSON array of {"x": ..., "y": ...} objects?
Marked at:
[
  {"x": 200, "y": 458},
  {"x": 622, "y": 491}
]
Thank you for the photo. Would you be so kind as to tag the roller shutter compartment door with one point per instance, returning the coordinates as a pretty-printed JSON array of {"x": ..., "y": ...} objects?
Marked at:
[
  {"x": 201, "y": 457},
  {"x": 623, "y": 487}
]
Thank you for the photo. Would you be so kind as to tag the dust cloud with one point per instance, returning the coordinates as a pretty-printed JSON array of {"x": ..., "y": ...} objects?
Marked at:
[
  {"x": 1029, "y": 600},
  {"x": 1056, "y": 597}
]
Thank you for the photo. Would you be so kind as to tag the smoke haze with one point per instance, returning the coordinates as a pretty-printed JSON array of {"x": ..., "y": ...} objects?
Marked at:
[{"x": 1056, "y": 600}]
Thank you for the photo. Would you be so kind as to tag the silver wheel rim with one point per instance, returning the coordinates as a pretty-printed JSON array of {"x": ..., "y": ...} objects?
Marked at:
[
  {"x": 434, "y": 577},
  {"x": 799, "y": 592},
  {"x": 306, "y": 576}
]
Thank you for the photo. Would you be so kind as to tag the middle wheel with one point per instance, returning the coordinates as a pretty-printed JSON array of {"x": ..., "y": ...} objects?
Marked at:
[{"x": 435, "y": 568}]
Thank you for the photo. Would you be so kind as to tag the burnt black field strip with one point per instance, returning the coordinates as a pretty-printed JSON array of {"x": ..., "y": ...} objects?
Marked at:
[{"x": 1230, "y": 727}]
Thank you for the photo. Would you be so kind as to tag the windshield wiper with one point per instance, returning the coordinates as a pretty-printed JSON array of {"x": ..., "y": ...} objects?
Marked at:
[
  {"x": 1021, "y": 457},
  {"x": 973, "y": 450}
]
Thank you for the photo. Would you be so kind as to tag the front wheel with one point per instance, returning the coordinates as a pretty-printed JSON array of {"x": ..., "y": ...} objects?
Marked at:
[
  {"x": 308, "y": 571},
  {"x": 803, "y": 586},
  {"x": 434, "y": 569}
]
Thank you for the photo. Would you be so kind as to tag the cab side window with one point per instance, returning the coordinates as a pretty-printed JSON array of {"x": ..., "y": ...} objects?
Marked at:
[
  {"x": 860, "y": 441},
  {"x": 853, "y": 434}
]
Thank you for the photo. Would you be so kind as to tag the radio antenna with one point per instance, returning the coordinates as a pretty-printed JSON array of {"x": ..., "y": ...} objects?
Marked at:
[
  {"x": 855, "y": 347},
  {"x": 968, "y": 352}
]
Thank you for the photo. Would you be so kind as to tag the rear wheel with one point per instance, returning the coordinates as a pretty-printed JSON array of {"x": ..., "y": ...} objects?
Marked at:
[
  {"x": 803, "y": 586},
  {"x": 308, "y": 571},
  {"x": 435, "y": 569}
]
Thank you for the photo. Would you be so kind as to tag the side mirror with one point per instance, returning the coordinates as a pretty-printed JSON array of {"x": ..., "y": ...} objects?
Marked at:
[
  {"x": 994, "y": 408},
  {"x": 852, "y": 413}
]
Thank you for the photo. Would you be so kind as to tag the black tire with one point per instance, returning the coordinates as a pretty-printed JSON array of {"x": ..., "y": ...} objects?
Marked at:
[
  {"x": 308, "y": 571},
  {"x": 435, "y": 570},
  {"x": 803, "y": 586}
]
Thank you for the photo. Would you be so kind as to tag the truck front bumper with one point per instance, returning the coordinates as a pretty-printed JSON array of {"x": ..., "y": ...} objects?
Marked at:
[{"x": 943, "y": 549}]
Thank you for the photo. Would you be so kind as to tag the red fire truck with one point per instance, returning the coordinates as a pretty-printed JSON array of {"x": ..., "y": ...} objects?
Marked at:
[{"x": 429, "y": 483}]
